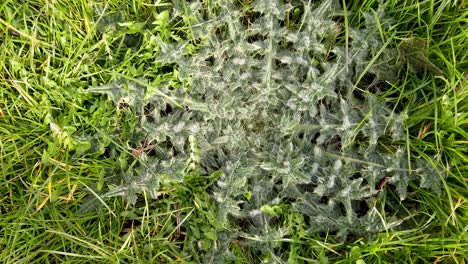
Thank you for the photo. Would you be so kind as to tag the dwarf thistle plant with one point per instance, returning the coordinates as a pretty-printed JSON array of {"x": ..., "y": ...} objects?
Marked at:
[{"x": 268, "y": 94}]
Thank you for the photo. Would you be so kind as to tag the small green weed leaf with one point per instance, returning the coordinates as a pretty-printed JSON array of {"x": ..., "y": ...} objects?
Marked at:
[
  {"x": 132, "y": 27},
  {"x": 355, "y": 253},
  {"x": 271, "y": 210},
  {"x": 162, "y": 25},
  {"x": 212, "y": 234}
]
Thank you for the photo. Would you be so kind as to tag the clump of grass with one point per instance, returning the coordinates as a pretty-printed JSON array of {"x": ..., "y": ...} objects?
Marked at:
[{"x": 52, "y": 51}]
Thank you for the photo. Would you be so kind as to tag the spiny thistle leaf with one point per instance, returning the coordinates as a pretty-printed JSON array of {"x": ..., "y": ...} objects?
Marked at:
[{"x": 275, "y": 107}]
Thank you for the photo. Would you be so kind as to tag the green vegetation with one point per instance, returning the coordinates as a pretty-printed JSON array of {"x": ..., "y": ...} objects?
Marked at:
[{"x": 114, "y": 149}]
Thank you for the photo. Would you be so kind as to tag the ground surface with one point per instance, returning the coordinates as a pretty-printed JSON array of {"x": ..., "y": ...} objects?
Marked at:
[{"x": 52, "y": 52}]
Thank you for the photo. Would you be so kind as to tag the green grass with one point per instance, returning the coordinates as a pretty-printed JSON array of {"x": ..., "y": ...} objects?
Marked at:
[{"x": 52, "y": 51}]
